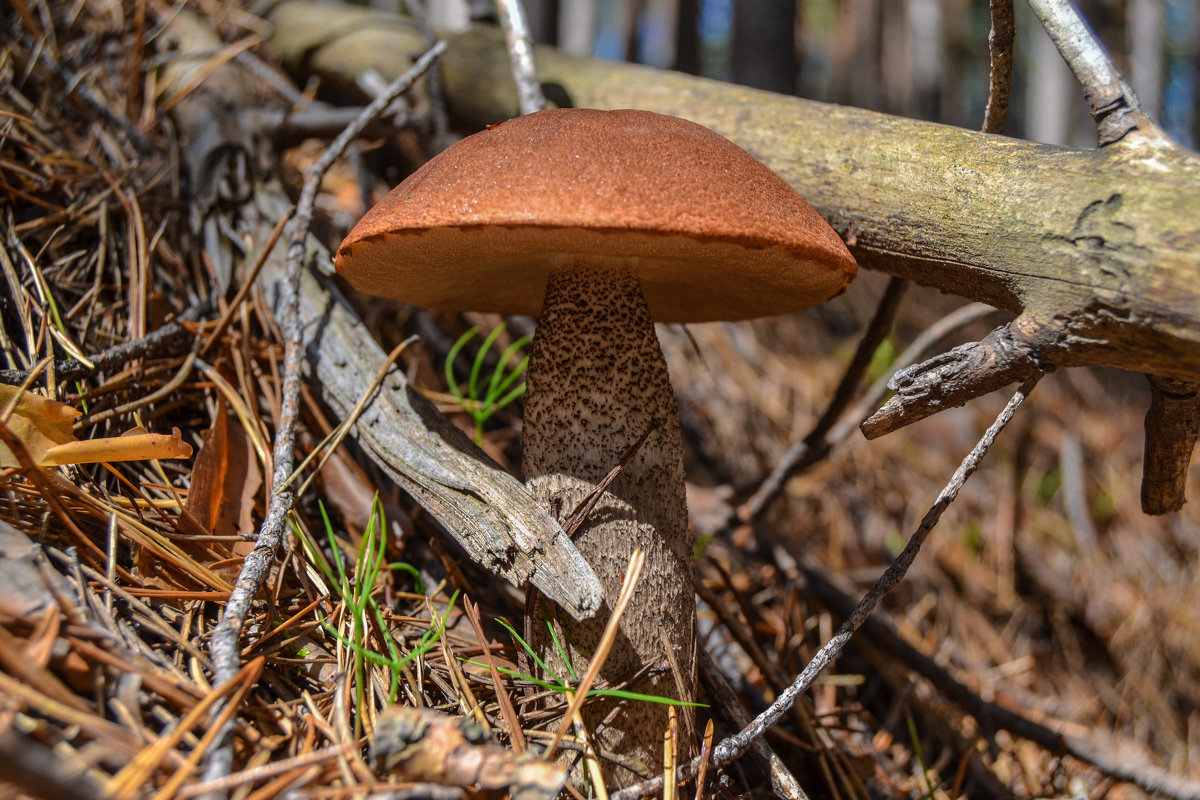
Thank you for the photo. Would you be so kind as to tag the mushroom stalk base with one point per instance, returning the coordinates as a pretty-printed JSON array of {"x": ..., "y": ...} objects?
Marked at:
[{"x": 597, "y": 383}]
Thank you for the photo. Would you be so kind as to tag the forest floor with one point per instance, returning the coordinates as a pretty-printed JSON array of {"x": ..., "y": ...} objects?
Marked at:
[{"x": 1046, "y": 642}]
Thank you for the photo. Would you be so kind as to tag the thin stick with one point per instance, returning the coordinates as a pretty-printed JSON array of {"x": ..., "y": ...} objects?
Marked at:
[
  {"x": 1112, "y": 103},
  {"x": 266, "y": 771},
  {"x": 736, "y": 745},
  {"x": 164, "y": 391},
  {"x": 581, "y": 512},
  {"x": 520, "y": 51},
  {"x": 224, "y": 643},
  {"x": 171, "y": 339},
  {"x": 1000, "y": 57}
]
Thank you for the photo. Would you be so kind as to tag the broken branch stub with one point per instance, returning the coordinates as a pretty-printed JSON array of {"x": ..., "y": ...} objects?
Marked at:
[
  {"x": 1013, "y": 352},
  {"x": 1172, "y": 424}
]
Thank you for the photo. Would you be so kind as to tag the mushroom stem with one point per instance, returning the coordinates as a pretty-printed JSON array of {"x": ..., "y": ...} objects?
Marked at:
[{"x": 597, "y": 384}]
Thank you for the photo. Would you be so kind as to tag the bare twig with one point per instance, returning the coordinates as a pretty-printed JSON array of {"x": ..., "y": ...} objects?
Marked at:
[
  {"x": 723, "y": 696},
  {"x": 1000, "y": 56},
  {"x": 1039, "y": 342},
  {"x": 273, "y": 769},
  {"x": 1111, "y": 101},
  {"x": 171, "y": 339},
  {"x": 1013, "y": 352},
  {"x": 520, "y": 50},
  {"x": 580, "y": 514},
  {"x": 223, "y": 645},
  {"x": 736, "y": 745}
]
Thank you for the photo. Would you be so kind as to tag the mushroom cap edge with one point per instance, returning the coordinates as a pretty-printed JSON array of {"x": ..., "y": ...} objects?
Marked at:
[{"x": 714, "y": 233}]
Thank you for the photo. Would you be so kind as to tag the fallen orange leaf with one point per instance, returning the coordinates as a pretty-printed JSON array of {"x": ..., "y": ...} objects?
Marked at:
[{"x": 46, "y": 428}]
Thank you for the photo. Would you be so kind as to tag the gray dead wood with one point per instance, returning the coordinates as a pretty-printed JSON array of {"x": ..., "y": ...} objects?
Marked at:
[{"x": 1095, "y": 250}]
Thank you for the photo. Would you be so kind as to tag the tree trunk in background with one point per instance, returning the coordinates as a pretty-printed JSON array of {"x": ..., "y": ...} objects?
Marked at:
[
  {"x": 896, "y": 59},
  {"x": 544, "y": 18},
  {"x": 1052, "y": 99},
  {"x": 577, "y": 27},
  {"x": 764, "y": 44},
  {"x": 659, "y": 33},
  {"x": 1146, "y": 25},
  {"x": 856, "y": 51},
  {"x": 952, "y": 101},
  {"x": 687, "y": 37},
  {"x": 927, "y": 32}
]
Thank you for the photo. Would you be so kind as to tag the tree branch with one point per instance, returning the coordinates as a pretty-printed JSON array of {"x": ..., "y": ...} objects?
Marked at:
[
  {"x": 1172, "y": 424},
  {"x": 1109, "y": 98},
  {"x": 1012, "y": 352}
]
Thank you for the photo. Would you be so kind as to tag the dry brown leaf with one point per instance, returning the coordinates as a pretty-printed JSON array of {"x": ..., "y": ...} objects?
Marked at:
[
  {"x": 225, "y": 480},
  {"x": 37, "y": 421},
  {"x": 46, "y": 428}
]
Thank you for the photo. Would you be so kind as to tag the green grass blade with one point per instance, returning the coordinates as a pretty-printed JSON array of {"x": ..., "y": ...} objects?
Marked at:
[{"x": 451, "y": 357}]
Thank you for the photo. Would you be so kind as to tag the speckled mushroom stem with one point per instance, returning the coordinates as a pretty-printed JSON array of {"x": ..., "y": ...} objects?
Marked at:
[{"x": 597, "y": 383}]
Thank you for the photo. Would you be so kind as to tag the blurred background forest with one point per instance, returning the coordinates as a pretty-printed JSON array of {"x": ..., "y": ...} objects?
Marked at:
[{"x": 925, "y": 59}]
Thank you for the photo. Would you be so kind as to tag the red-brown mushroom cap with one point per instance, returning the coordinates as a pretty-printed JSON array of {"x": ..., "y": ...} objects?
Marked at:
[{"x": 715, "y": 234}]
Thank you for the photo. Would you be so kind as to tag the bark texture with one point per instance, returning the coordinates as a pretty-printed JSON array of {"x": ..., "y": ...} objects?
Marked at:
[{"x": 597, "y": 383}]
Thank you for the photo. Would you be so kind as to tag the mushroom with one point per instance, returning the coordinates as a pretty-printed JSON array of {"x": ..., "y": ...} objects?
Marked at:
[{"x": 601, "y": 223}]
